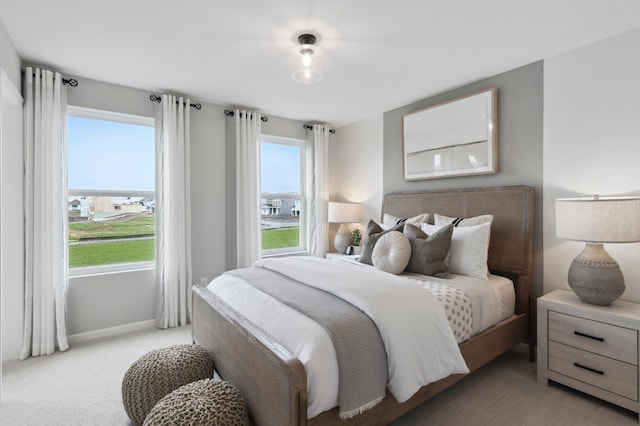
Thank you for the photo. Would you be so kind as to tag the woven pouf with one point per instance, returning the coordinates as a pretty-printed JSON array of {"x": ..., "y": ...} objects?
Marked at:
[
  {"x": 207, "y": 402},
  {"x": 158, "y": 373}
]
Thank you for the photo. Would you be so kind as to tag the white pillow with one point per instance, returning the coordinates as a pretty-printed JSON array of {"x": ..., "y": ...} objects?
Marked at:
[
  {"x": 391, "y": 252},
  {"x": 441, "y": 220},
  {"x": 389, "y": 221},
  {"x": 469, "y": 249}
]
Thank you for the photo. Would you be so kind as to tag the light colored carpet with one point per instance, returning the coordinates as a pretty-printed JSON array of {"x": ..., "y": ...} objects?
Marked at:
[
  {"x": 505, "y": 392},
  {"x": 82, "y": 387}
]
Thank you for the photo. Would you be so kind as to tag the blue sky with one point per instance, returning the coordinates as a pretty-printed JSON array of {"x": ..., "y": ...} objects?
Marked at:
[
  {"x": 280, "y": 167},
  {"x": 113, "y": 155},
  {"x": 110, "y": 155}
]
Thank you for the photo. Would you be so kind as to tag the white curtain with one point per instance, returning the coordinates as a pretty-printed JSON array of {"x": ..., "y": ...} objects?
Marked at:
[
  {"x": 173, "y": 212},
  {"x": 248, "y": 234},
  {"x": 46, "y": 272},
  {"x": 318, "y": 190}
]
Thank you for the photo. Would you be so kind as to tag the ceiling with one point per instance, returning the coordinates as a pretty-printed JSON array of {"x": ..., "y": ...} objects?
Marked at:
[{"x": 377, "y": 55}]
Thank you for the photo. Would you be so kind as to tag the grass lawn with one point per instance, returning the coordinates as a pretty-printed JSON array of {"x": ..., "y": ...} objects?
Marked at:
[
  {"x": 106, "y": 253},
  {"x": 280, "y": 238},
  {"x": 142, "y": 225},
  {"x": 111, "y": 252}
]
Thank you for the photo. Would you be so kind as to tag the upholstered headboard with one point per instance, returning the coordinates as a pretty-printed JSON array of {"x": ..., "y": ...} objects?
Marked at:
[{"x": 511, "y": 245}]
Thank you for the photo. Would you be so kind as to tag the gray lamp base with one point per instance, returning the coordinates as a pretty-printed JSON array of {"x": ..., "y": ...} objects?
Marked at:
[
  {"x": 342, "y": 240},
  {"x": 595, "y": 277}
]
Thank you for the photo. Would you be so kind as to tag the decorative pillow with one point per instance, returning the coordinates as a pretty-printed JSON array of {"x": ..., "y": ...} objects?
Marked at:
[
  {"x": 428, "y": 252},
  {"x": 440, "y": 220},
  {"x": 372, "y": 235},
  {"x": 469, "y": 249},
  {"x": 389, "y": 221},
  {"x": 392, "y": 252}
]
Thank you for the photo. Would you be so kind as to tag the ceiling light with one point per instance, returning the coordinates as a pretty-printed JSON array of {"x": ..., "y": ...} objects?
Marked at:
[{"x": 306, "y": 68}]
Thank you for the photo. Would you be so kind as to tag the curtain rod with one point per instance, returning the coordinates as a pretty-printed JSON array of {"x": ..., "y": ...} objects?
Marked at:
[
  {"x": 230, "y": 113},
  {"x": 310, "y": 127},
  {"x": 158, "y": 99},
  {"x": 72, "y": 82}
]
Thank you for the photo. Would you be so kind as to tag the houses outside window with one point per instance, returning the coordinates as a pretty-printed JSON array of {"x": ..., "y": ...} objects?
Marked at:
[
  {"x": 282, "y": 200},
  {"x": 111, "y": 191}
]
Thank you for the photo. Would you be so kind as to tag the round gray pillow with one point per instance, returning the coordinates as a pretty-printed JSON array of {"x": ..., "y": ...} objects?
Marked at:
[{"x": 391, "y": 252}]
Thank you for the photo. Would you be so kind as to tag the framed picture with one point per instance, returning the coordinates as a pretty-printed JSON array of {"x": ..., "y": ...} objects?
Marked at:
[{"x": 455, "y": 138}]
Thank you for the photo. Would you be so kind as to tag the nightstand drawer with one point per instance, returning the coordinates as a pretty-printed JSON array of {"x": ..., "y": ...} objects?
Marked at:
[
  {"x": 604, "y": 339},
  {"x": 609, "y": 374}
]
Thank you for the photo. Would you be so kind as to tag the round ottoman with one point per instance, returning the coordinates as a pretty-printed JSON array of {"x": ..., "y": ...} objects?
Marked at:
[
  {"x": 158, "y": 373},
  {"x": 202, "y": 403}
]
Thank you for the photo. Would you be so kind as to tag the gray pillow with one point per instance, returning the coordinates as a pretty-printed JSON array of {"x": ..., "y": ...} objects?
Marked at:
[
  {"x": 428, "y": 252},
  {"x": 372, "y": 235}
]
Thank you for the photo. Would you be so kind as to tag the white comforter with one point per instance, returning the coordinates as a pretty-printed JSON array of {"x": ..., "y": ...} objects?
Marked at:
[{"x": 420, "y": 345}]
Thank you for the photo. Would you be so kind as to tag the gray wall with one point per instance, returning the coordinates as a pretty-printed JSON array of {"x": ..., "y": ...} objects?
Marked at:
[
  {"x": 520, "y": 115},
  {"x": 117, "y": 300},
  {"x": 109, "y": 300}
]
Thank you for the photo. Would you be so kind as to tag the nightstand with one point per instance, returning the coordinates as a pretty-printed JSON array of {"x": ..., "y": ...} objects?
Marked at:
[
  {"x": 341, "y": 256},
  {"x": 593, "y": 349}
]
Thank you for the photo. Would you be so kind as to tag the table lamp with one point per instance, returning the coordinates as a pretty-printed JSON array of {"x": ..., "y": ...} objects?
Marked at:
[
  {"x": 594, "y": 275},
  {"x": 343, "y": 213}
]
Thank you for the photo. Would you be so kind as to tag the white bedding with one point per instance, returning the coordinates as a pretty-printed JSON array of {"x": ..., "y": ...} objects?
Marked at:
[{"x": 316, "y": 352}]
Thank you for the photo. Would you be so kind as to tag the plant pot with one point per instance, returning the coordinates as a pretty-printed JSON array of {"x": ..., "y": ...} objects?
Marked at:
[{"x": 356, "y": 250}]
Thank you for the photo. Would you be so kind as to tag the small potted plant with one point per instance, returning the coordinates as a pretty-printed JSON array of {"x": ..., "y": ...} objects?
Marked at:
[{"x": 356, "y": 238}]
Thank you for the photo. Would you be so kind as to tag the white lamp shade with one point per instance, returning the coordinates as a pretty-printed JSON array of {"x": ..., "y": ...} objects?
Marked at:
[
  {"x": 344, "y": 212},
  {"x": 599, "y": 220}
]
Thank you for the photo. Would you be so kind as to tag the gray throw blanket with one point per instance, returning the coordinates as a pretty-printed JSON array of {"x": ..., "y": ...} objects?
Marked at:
[{"x": 362, "y": 359}]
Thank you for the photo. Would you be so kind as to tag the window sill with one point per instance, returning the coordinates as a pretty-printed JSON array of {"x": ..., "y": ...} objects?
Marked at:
[
  {"x": 285, "y": 254},
  {"x": 111, "y": 269}
]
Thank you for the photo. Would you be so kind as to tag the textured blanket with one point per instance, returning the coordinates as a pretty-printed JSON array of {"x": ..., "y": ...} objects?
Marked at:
[
  {"x": 361, "y": 356},
  {"x": 420, "y": 345}
]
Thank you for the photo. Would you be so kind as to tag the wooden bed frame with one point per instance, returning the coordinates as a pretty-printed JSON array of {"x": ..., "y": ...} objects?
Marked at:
[{"x": 273, "y": 381}]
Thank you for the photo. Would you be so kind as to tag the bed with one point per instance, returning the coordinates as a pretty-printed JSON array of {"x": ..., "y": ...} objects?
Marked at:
[{"x": 273, "y": 381}]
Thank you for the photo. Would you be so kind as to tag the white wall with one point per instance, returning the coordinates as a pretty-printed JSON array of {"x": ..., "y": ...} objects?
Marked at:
[
  {"x": 12, "y": 264},
  {"x": 591, "y": 143},
  {"x": 356, "y": 163},
  {"x": 9, "y": 58},
  {"x": 11, "y": 220}
]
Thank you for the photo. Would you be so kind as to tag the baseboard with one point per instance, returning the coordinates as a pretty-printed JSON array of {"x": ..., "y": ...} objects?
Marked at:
[{"x": 111, "y": 331}]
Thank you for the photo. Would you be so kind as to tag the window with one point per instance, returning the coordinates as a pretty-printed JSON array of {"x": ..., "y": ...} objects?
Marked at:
[
  {"x": 282, "y": 195},
  {"x": 111, "y": 178}
]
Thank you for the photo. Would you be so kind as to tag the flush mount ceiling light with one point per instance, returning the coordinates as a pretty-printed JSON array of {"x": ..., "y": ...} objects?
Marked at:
[{"x": 306, "y": 66}]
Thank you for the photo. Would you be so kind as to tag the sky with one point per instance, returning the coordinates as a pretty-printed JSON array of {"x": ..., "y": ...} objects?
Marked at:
[
  {"x": 280, "y": 167},
  {"x": 120, "y": 156},
  {"x": 110, "y": 155}
]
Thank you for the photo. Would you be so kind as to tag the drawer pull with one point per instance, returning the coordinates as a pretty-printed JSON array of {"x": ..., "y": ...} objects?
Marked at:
[
  {"x": 599, "y": 339},
  {"x": 593, "y": 370}
]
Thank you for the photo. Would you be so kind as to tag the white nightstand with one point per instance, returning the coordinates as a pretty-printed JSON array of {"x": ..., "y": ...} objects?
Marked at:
[
  {"x": 341, "y": 256},
  {"x": 593, "y": 349}
]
